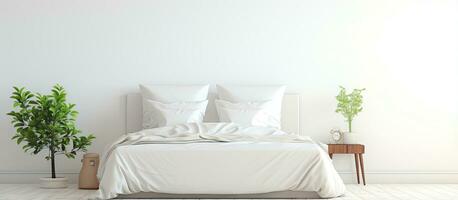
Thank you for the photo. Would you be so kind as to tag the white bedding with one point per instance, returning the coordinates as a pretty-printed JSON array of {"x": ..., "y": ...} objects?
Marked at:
[{"x": 216, "y": 158}]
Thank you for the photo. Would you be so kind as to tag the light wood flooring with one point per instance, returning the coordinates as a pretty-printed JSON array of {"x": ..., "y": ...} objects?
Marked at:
[{"x": 354, "y": 192}]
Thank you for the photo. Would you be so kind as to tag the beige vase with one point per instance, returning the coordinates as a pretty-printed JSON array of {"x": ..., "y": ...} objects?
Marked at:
[
  {"x": 88, "y": 174},
  {"x": 353, "y": 138}
]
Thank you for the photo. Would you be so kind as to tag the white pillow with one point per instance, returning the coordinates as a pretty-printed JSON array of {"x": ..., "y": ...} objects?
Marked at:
[
  {"x": 157, "y": 114},
  {"x": 247, "y": 94},
  {"x": 174, "y": 93},
  {"x": 247, "y": 114},
  {"x": 168, "y": 94}
]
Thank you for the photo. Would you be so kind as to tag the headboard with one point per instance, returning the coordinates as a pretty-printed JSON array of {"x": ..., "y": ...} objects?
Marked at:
[{"x": 290, "y": 112}]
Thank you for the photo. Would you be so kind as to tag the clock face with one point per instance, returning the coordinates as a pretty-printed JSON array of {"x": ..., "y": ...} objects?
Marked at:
[{"x": 336, "y": 136}]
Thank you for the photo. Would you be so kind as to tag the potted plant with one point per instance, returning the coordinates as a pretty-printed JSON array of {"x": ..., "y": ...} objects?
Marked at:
[
  {"x": 47, "y": 122},
  {"x": 349, "y": 105}
]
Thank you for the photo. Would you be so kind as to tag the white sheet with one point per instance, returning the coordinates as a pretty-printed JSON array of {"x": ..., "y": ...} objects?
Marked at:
[{"x": 188, "y": 159}]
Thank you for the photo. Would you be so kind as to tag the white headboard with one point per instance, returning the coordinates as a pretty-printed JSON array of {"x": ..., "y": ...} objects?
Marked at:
[{"x": 290, "y": 112}]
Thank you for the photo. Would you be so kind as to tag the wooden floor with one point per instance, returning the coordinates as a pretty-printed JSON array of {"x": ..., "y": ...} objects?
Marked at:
[{"x": 354, "y": 192}]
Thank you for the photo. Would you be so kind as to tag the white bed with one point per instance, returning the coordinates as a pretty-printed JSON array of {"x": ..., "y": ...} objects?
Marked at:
[{"x": 238, "y": 169}]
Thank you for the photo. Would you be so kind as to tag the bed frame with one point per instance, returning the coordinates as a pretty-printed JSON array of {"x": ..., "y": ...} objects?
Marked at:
[{"x": 290, "y": 123}]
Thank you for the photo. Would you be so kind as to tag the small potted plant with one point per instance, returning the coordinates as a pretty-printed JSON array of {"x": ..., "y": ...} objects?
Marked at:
[
  {"x": 349, "y": 105},
  {"x": 47, "y": 122}
]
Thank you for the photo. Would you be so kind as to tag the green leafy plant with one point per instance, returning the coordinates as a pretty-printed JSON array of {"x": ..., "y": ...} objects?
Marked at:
[
  {"x": 349, "y": 105},
  {"x": 47, "y": 122}
]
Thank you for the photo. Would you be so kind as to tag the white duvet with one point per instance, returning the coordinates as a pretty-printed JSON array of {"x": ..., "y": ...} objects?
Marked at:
[{"x": 216, "y": 158}]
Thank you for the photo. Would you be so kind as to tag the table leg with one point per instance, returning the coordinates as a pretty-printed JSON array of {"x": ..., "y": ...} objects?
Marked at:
[
  {"x": 362, "y": 167},
  {"x": 357, "y": 166},
  {"x": 330, "y": 155}
]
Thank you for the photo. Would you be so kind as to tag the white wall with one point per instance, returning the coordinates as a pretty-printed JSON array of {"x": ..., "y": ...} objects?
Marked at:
[{"x": 403, "y": 52}]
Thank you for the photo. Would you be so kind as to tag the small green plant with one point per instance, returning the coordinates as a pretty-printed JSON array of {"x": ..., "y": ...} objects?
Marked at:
[
  {"x": 47, "y": 122},
  {"x": 349, "y": 105}
]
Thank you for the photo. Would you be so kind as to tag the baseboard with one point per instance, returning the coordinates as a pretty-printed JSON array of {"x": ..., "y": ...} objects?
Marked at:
[
  {"x": 30, "y": 177},
  {"x": 348, "y": 177},
  {"x": 403, "y": 177}
]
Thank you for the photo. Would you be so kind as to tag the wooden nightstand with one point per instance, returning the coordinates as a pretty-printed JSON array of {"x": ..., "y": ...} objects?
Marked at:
[{"x": 356, "y": 149}]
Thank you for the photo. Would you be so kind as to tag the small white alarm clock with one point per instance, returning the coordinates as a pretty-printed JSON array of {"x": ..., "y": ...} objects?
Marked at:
[{"x": 337, "y": 136}]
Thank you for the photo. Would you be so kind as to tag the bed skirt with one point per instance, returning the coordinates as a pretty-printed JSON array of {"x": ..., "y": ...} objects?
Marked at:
[{"x": 270, "y": 195}]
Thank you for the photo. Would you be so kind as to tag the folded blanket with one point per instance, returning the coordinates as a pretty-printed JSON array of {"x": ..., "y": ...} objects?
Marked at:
[{"x": 209, "y": 132}]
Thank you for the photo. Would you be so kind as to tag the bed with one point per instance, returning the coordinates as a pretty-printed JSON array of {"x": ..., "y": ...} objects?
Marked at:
[{"x": 295, "y": 167}]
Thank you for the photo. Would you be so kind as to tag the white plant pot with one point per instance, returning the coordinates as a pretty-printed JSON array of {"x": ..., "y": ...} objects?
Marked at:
[
  {"x": 52, "y": 183},
  {"x": 353, "y": 138}
]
